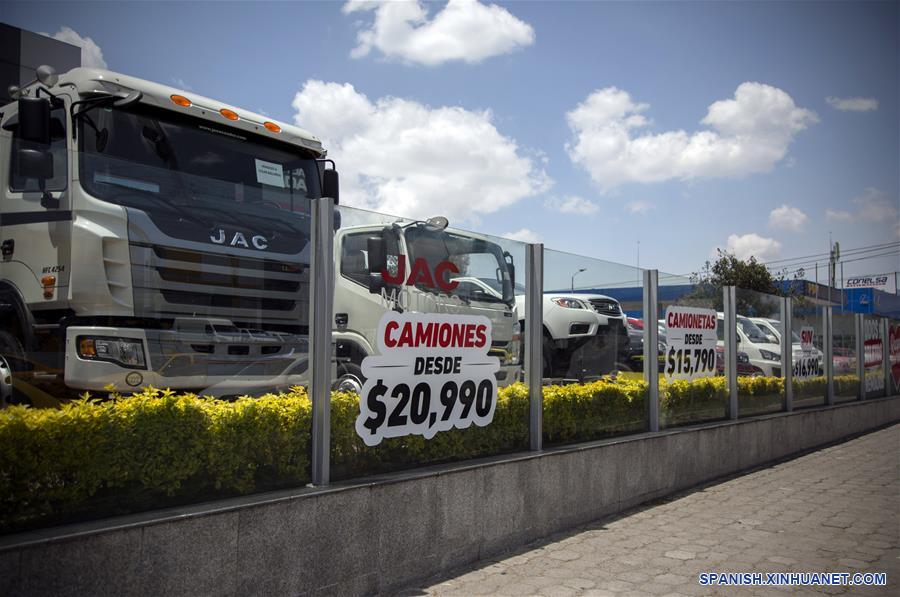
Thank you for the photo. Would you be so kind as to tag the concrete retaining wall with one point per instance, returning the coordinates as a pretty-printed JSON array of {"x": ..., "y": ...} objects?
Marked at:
[{"x": 380, "y": 535}]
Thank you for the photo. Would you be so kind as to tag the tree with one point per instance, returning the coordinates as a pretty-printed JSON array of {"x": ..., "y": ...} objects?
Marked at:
[{"x": 728, "y": 270}]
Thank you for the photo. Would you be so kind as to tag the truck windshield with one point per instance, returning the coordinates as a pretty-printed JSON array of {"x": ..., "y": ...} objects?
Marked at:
[
  {"x": 153, "y": 159},
  {"x": 483, "y": 273}
]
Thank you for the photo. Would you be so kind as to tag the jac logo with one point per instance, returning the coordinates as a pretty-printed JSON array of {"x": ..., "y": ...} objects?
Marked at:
[
  {"x": 420, "y": 273},
  {"x": 238, "y": 239}
]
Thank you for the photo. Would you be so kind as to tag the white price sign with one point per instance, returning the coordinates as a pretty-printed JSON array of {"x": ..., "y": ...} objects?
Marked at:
[
  {"x": 691, "y": 339},
  {"x": 807, "y": 364},
  {"x": 433, "y": 373},
  {"x": 873, "y": 355}
]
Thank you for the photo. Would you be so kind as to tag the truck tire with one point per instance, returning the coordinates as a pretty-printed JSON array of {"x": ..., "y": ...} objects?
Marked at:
[
  {"x": 12, "y": 360},
  {"x": 349, "y": 378},
  {"x": 546, "y": 355}
]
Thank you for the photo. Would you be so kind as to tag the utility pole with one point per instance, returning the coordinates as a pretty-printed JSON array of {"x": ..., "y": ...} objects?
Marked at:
[
  {"x": 842, "y": 287},
  {"x": 833, "y": 258}
]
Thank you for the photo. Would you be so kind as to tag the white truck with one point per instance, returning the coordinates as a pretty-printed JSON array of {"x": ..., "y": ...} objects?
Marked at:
[
  {"x": 422, "y": 267},
  {"x": 584, "y": 335},
  {"x": 151, "y": 236}
]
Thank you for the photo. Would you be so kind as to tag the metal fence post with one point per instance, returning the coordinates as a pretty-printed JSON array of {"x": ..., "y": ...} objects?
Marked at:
[
  {"x": 861, "y": 355},
  {"x": 651, "y": 347},
  {"x": 828, "y": 332},
  {"x": 787, "y": 353},
  {"x": 886, "y": 354},
  {"x": 321, "y": 304},
  {"x": 729, "y": 300},
  {"x": 534, "y": 338}
]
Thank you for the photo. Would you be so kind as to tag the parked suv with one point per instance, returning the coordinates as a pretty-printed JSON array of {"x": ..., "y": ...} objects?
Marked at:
[{"x": 761, "y": 351}]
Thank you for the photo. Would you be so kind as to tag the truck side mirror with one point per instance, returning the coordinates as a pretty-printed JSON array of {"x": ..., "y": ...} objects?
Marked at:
[
  {"x": 512, "y": 269},
  {"x": 377, "y": 258},
  {"x": 331, "y": 185},
  {"x": 377, "y": 262},
  {"x": 34, "y": 120}
]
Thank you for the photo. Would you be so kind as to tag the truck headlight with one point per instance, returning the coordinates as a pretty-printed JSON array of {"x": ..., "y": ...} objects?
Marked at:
[
  {"x": 568, "y": 303},
  {"x": 128, "y": 352},
  {"x": 769, "y": 355}
]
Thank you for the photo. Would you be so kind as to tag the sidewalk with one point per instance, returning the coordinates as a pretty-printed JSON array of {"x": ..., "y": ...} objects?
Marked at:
[{"x": 835, "y": 510}]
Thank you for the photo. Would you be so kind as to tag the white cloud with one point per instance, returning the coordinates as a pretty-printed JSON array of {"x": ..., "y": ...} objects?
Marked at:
[
  {"x": 571, "y": 205},
  {"x": 181, "y": 84},
  {"x": 401, "y": 157},
  {"x": 872, "y": 206},
  {"x": 639, "y": 207},
  {"x": 753, "y": 245},
  {"x": 853, "y": 104},
  {"x": 91, "y": 54},
  {"x": 523, "y": 235},
  {"x": 746, "y": 135},
  {"x": 838, "y": 216},
  {"x": 787, "y": 218},
  {"x": 464, "y": 30}
]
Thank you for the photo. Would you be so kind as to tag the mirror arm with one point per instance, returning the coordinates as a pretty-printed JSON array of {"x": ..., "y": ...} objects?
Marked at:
[{"x": 55, "y": 101}]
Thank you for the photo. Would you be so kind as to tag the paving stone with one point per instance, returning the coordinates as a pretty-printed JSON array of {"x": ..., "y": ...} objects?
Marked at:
[{"x": 834, "y": 510}]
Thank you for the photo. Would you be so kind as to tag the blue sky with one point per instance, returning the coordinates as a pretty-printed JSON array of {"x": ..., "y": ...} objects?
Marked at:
[{"x": 584, "y": 125}]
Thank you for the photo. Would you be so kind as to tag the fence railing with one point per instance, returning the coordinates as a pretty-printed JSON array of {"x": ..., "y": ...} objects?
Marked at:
[{"x": 302, "y": 328}]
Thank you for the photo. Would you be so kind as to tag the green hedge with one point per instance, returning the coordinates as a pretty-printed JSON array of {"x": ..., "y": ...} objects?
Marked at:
[{"x": 95, "y": 458}]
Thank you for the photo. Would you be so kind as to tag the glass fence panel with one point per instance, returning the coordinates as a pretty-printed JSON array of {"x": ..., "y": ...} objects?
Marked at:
[
  {"x": 873, "y": 351},
  {"x": 808, "y": 353},
  {"x": 181, "y": 286},
  {"x": 894, "y": 348},
  {"x": 760, "y": 385},
  {"x": 692, "y": 385},
  {"x": 428, "y": 344},
  {"x": 846, "y": 378},
  {"x": 591, "y": 348}
]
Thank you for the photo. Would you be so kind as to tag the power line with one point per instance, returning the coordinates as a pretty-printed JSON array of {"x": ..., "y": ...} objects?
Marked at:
[
  {"x": 884, "y": 254},
  {"x": 853, "y": 251}
]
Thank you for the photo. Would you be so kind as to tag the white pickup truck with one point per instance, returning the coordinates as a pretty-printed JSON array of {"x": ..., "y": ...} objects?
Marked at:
[{"x": 584, "y": 334}]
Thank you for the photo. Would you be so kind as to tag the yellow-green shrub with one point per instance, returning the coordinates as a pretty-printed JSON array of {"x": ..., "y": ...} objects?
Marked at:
[{"x": 94, "y": 458}]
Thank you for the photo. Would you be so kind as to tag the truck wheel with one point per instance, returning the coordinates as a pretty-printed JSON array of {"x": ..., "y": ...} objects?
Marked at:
[
  {"x": 349, "y": 378},
  {"x": 546, "y": 357},
  {"x": 12, "y": 360}
]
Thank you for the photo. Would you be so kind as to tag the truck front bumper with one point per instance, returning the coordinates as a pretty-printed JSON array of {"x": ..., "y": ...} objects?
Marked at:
[{"x": 209, "y": 365}]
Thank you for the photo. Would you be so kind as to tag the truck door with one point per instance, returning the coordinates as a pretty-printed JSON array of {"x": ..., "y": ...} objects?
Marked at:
[{"x": 35, "y": 227}]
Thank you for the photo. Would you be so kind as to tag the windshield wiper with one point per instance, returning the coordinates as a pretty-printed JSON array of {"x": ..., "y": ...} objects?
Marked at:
[{"x": 183, "y": 213}]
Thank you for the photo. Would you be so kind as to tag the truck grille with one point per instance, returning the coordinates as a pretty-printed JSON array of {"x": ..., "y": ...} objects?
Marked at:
[
  {"x": 253, "y": 293},
  {"x": 606, "y": 306}
]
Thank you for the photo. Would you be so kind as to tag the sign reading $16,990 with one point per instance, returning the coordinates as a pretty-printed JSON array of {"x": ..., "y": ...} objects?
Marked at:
[
  {"x": 691, "y": 343},
  {"x": 432, "y": 374}
]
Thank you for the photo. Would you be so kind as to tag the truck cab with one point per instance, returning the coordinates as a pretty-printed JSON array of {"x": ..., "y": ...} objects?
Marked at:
[
  {"x": 152, "y": 236},
  {"x": 420, "y": 267}
]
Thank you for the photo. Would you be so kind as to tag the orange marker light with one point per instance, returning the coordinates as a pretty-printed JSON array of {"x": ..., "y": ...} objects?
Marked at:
[
  {"x": 271, "y": 126},
  {"x": 86, "y": 348},
  {"x": 48, "y": 281},
  {"x": 229, "y": 114},
  {"x": 181, "y": 101}
]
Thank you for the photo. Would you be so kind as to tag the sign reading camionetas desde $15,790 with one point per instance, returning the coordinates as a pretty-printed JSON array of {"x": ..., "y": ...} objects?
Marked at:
[
  {"x": 432, "y": 374},
  {"x": 691, "y": 339}
]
